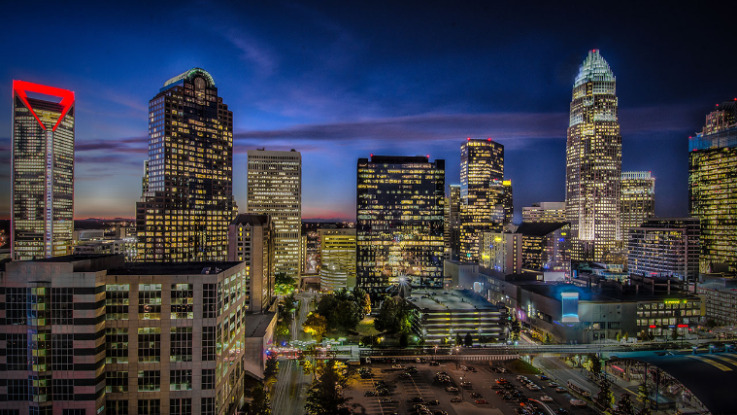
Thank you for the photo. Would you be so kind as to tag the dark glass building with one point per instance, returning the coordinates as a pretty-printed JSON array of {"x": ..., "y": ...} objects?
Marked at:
[
  {"x": 482, "y": 193},
  {"x": 713, "y": 187},
  {"x": 43, "y": 172},
  {"x": 399, "y": 229},
  {"x": 187, "y": 201}
]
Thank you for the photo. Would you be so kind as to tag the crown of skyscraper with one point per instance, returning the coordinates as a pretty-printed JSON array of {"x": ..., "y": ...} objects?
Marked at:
[{"x": 594, "y": 68}]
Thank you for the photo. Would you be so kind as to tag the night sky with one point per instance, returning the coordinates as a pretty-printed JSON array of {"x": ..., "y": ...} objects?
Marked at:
[{"x": 341, "y": 80}]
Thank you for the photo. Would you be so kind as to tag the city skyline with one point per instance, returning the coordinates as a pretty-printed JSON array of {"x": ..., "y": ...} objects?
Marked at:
[{"x": 350, "y": 89}]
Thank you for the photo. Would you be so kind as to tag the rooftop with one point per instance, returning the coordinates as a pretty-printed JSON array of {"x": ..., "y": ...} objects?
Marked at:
[
  {"x": 594, "y": 68},
  {"x": 256, "y": 324},
  {"x": 439, "y": 300},
  {"x": 251, "y": 219},
  {"x": 187, "y": 268},
  {"x": 539, "y": 228}
]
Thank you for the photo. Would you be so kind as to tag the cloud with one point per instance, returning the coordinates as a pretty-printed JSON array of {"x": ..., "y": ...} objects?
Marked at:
[
  {"x": 127, "y": 145},
  {"x": 514, "y": 129},
  {"x": 252, "y": 51}
]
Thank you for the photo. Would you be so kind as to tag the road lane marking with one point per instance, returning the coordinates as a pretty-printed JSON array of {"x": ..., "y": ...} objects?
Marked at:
[
  {"x": 727, "y": 359},
  {"x": 714, "y": 363}
]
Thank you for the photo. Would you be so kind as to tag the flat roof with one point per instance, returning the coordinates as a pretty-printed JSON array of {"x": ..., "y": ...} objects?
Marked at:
[
  {"x": 440, "y": 300},
  {"x": 256, "y": 324},
  {"x": 157, "y": 268}
]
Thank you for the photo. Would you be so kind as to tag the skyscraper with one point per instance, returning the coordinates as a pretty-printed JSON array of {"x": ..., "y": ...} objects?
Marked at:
[
  {"x": 712, "y": 184},
  {"x": 638, "y": 200},
  {"x": 399, "y": 221},
  {"x": 275, "y": 189},
  {"x": 594, "y": 162},
  {"x": 43, "y": 172},
  {"x": 187, "y": 202},
  {"x": 482, "y": 190},
  {"x": 454, "y": 221}
]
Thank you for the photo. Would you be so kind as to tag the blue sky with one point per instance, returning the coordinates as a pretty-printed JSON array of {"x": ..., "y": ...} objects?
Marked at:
[{"x": 341, "y": 80}]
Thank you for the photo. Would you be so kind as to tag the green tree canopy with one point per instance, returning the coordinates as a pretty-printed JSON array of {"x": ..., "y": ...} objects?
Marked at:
[{"x": 325, "y": 396}]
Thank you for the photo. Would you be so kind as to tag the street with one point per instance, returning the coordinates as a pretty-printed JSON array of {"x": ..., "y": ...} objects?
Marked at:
[{"x": 289, "y": 391}]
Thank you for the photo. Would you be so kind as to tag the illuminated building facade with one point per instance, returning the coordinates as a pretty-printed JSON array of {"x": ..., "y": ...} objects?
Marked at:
[
  {"x": 453, "y": 221},
  {"x": 338, "y": 258},
  {"x": 445, "y": 314},
  {"x": 251, "y": 240},
  {"x": 594, "y": 162},
  {"x": 42, "y": 172},
  {"x": 399, "y": 229},
  {"x": 668, "y": 247},
  {"x": 712, "y": 187},
  {"x": 120, "y": 338},
  {"x": 187, "y": 202},
  {"x": 275, "y": 189},
  {"x": 544, "y": 212},
  {"x": 546, "y": 247},
  {"x": 638, "y": 200},
  {"x": 501, "y": 252},
  {"x": 507, "y": 202},
  {"x": 482, "y": 175}
]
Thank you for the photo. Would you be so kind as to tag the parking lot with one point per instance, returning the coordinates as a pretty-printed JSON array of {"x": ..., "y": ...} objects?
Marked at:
[{"x": 454, "y": 389}]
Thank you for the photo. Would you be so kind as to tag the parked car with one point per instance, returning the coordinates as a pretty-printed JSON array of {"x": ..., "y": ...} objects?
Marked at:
[
  {"x": 456, "y": 400},
  {"x": 481, "y": 401},
  {"x": 546, "y": 398},
  {"x": 577, "y": 403}
]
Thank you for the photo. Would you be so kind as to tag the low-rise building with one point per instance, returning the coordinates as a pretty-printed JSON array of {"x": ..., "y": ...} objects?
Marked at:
[
  {"x": 444, "y": 314},
  {"x": 665, "y": 247},
  {"x": 605, "y": 310},
  {"x": 338, "y": 258},
  {"x": 719, "y": 296}
]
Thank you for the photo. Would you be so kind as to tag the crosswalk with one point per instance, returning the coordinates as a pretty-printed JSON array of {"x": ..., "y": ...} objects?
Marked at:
[{"x": 723, "y": 362}]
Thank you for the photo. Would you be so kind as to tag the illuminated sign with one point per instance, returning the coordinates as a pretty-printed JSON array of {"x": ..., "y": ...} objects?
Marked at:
[
  {"x": 569, "y": 307},
  {"x": 676, "y": 301},
  {"x": 21, "y": 88}
]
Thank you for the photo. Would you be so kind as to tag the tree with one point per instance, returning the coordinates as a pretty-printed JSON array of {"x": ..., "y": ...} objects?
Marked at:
[
  {"x": 316, "y": 326},
  {"x": 261, "y": 403},
  {"x": 363, "y": 299},
  {"x": 272, "y": 366},
  {"x": 341, "y": 310},
  {"x": 468, "y": 340},
  {"x": 604, "y": 397},
  {"x": 284, "y": 284},
  {"x": 395, "y": 316},
  {"x": 625, "y": 405},
  {"x": 595, "y": 365},
  {"x": 325, "y": 396}
]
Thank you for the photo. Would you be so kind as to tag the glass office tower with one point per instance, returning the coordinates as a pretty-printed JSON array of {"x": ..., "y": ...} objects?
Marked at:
[
  {"x": 482, "y": 193},
  {"x": 594, "y": 162},
  {"x": 275, "y": 189},
  {"x": 43, "y": 171},
  {"x": 712, "y": 187},
  {"x": 187, "y": 202},
  {"x": 399, "y": 229}
]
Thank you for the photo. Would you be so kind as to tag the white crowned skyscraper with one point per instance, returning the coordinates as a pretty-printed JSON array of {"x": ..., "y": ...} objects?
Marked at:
[{"x": 594, "y": 161}]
